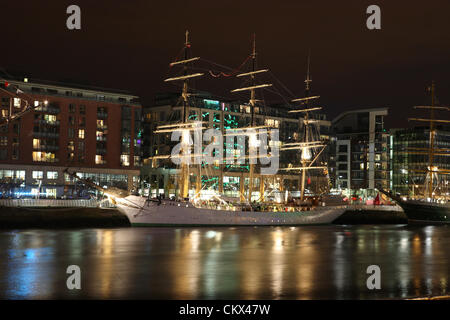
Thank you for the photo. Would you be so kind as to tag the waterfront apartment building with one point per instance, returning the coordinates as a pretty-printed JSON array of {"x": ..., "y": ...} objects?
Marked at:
[
  {"x": 410, "y": 160},
  {"x": 92, "y": 131},
  {"x": 232, "y": 180},
  {"x": 360, "y": 162}
]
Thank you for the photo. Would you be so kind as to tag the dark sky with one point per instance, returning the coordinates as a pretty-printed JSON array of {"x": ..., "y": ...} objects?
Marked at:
[{"x": 128, "y": 45}]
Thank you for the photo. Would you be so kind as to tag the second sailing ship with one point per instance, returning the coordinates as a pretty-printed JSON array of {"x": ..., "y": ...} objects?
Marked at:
[{"x": 428, "y": 206}]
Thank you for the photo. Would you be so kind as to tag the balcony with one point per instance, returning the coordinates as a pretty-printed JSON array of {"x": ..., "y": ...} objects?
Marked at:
[
  {"x": 46, "y": 148},
  {"x": 40, "y": 134},
  {"x": 51, "y": 160},
  {"x": 46, "y": 122},
  {"x": 47, "y": 109}
]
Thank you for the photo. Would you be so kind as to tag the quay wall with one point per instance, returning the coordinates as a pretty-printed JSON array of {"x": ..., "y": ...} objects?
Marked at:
[{"x": 54, "y": 217}]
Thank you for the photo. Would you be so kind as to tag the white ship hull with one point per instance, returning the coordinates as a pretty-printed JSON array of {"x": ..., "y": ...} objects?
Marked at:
[{"x": 172, "y": 213}]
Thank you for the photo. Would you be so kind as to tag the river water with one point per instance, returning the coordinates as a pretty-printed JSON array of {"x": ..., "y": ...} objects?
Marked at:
[{"x": 311, "y": 262}]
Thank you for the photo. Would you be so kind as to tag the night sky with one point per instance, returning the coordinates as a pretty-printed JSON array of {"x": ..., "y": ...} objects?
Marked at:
[{"x": 129, "y": 44}]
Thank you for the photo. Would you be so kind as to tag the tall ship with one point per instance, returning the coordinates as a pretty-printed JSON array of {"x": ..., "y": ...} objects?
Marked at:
[
  {"x": 192, "y": 207},
  {"x": 429, "y": 203}
]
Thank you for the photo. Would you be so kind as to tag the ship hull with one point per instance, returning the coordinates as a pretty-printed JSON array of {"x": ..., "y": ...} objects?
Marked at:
[
  {"x": 171, "y": 213},
  {"x": 426, "y": 213}
]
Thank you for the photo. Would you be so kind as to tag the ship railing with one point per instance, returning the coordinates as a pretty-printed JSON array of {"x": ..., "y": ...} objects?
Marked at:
[{"x": 55, "y": 203}]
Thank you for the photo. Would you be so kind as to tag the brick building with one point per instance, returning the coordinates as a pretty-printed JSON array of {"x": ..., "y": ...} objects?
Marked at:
[{"x": 93, "y": 131}]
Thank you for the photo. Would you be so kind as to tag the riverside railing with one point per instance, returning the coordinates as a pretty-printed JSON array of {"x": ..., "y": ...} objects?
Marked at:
[{"x": 55, "y": 203}]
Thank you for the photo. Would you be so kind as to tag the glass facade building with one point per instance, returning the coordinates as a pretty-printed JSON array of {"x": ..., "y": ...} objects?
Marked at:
[{"x": 410, "y": 160}]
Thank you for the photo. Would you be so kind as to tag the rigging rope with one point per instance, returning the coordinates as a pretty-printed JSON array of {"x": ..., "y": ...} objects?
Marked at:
[
  {"x": 177, "y": 57},
  {"x": 221, "y": 73}
]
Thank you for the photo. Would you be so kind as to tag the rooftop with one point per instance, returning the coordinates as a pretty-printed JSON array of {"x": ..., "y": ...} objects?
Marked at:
[
  {"x": 339, "y": 117},
  {"x": 47, "y": 87}
]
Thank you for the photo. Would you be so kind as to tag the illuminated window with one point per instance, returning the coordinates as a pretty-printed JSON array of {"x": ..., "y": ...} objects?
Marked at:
[
  {"x": 125, "y": 160},
  {"x": 81, "y": 133},
  {"x": 99, "y": 159},
  {"x": 272, "y": 123},
  {"x": 71, "y": 146},
  {"x": 5, "y": 113},
  {"x": 17, "y": 102},
  {"x": 37, "y": 156},
  {"x": 245, "y": 109},
  {"x": 50, "y": 118},
  {"x": 100, "y": 123},
  {"x": 20, "y": 174},
  {"x": 100, "y": 136},
  {"x": 38, "y": 174},
  {"x": 50, "y": 193},
  {"x": 3, "y": 141},
  {"x": 36, "y": 143},
  {"x": 44, "y": 156},
  {"x": 51, "y": 175},
  {"x": 6, "y": 173},
  {"x": 68, "y": 178}
]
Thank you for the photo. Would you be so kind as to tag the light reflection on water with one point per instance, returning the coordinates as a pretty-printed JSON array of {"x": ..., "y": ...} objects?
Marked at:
[{"x": 322, "y": 262}]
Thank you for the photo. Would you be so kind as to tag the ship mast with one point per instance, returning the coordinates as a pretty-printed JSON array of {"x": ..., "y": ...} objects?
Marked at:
[
  {"x": 253, "y": 138},
  {"x": 252, "y": 122},
  {"x": 431, "y": 152},
  {"x": 306, "y": 145},
  {"x": 185, "y": 146},
  {"x": 304, "y": 156}
]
